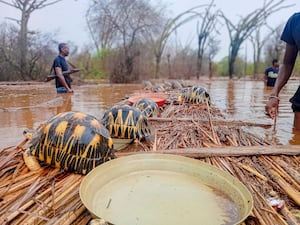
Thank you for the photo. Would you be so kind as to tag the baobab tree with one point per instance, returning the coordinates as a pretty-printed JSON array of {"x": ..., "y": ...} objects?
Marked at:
[
  {"x": 26, "y": 8},
  {"x": 239, "y": 32}
]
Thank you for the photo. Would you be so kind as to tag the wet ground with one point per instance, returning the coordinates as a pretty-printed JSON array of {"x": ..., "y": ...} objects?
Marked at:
[{"x": 29, "y": 105}]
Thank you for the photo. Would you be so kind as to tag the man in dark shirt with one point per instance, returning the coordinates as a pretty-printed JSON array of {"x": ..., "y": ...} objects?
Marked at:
[
  {"x": 60, "y": 65},
  {"x": 291, "y": 36},
  {"x": 271, "y": 73}
]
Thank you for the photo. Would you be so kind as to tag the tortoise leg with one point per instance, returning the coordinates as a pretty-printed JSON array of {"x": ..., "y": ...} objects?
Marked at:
[{"x": 31, "y": 162}]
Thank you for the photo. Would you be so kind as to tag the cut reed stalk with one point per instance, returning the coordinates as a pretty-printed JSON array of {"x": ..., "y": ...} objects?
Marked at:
[
  {"x": 290, "y": 218},
  {"x": 19, "y": 178},
  {"x": 155, "y": 141},
  {"x": 283, "y": 173},
  {"x": 59, "y": 196},
  {"x": 24, "y": 207},
  {"x": 286, "y": 167},
  {"x": 232, "y": 123},
  {"x": 249, "y": 169},
  {"x": 20, "y": 185},
  {"x": 68, "y": 218},
  {"x": 288, "y": 189},
  {"x": 266, "y": 205},
  {"x": 216, "y": 138}
]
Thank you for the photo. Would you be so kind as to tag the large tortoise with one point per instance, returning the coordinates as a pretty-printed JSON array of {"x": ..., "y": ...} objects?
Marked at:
[
  {"x": 73, "y": 141},
  {"x": 195, "y": 94},
  {"x": 147, "y": 106},
  {"x": 125, "y": 122}
]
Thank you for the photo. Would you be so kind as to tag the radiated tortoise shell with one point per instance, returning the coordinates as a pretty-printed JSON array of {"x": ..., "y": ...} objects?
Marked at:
[
  {"x": 195, "y": 94},
  {"x": 125, "y": 122},
  {"x": 147, "y": 106},
  {"x": 73, "y": 141}
]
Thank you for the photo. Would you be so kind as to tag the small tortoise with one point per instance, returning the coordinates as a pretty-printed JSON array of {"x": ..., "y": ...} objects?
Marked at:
[
  {"x": 126, "y": 122},
  {"x": 195, "y": 94},
  {"x": 147, "y": 106},
  {"x": 73, "y": 141}
]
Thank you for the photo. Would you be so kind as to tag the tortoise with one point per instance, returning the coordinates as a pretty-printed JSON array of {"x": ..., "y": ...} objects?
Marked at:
[
  {"x": 125, "y": 122},
  {"x": 73, "y": 141},
  {"x": 147, "y": 85},
  {"x": 195, "y": 94},
  {"x": 147, "y": 106},
  {"x": 159, "y": 88},
  {"x": 176, "y": 84}
]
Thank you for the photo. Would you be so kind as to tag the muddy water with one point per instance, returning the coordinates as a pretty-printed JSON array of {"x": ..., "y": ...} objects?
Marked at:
[
  {"x": 27, "y": 106},
  {"x": 245, "y": 100}
]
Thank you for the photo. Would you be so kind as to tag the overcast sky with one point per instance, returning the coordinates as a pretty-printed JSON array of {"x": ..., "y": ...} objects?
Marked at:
[{"x": 67, "y": 18}]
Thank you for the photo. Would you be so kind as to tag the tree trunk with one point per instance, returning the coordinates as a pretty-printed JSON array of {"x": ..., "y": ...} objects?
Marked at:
[
  {"x": 200, "y": 57},
  {"x": 23, "y": 45},
  {"x": 232, "y": 58},
  {"x": 157, "y": 66},
  {"x": 231, "y": 61},
  {"x": 199, "y": 66},
  {"x": 169, "y": 66},
  {"x": 256, "y": 63},
  {"x": 210, "y": 68}
]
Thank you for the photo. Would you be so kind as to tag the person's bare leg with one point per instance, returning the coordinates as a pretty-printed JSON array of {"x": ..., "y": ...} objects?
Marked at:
[{"x": 297, "y": 120}]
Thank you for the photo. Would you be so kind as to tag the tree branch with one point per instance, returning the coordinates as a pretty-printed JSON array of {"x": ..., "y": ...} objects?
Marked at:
[{"x": 7, "y": 3}]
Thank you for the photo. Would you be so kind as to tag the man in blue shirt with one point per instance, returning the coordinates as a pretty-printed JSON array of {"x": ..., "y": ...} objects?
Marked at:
[
  {"x": 60, "y": 65},
  {"x": 291, "y": 36},
  {"x": 271, "y": 73}
]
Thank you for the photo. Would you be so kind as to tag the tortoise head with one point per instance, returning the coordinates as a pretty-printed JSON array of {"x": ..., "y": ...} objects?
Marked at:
[{"x": 29, "y": 134}]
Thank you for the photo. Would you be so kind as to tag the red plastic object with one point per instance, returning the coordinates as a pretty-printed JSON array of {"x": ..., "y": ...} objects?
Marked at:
[{"x": 159, "y": 98}]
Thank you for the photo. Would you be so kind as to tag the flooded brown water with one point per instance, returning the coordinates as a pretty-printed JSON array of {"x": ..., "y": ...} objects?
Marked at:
[{"x": 27, "y": 106}]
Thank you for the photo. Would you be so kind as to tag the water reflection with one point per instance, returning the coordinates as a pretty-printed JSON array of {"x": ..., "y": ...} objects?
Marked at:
[
  {"x": 28, "y": 106},
  {"x": 230, "y": 98},
  {"x": 66, "y": 103},
  {"x": 295, "y": 140},
  {"x": 245, "y": 100}
]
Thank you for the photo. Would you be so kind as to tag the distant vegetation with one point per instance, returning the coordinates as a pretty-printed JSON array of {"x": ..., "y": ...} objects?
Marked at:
[{"x": 133, "y": 40}]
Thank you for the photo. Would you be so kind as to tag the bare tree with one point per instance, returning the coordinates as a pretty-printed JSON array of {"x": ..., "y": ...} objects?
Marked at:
[
  {"x": 257, "y": 45},
  {"x": 274, "y": 46},
  {"x": 204, "y": 30},
  {"x": 213, "y": 47},
  {"x": 8, "y": 41},
  {"x": 122, "y": 25},
  {"x": 159, "y": 42},
  {"x": 26, "y": 8},
  {"x": 39, "y": 54},
  {"x": 100, "y": 18},
  {"x": 239, "y": 32},
  {"x": 183, "y": 63}
]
